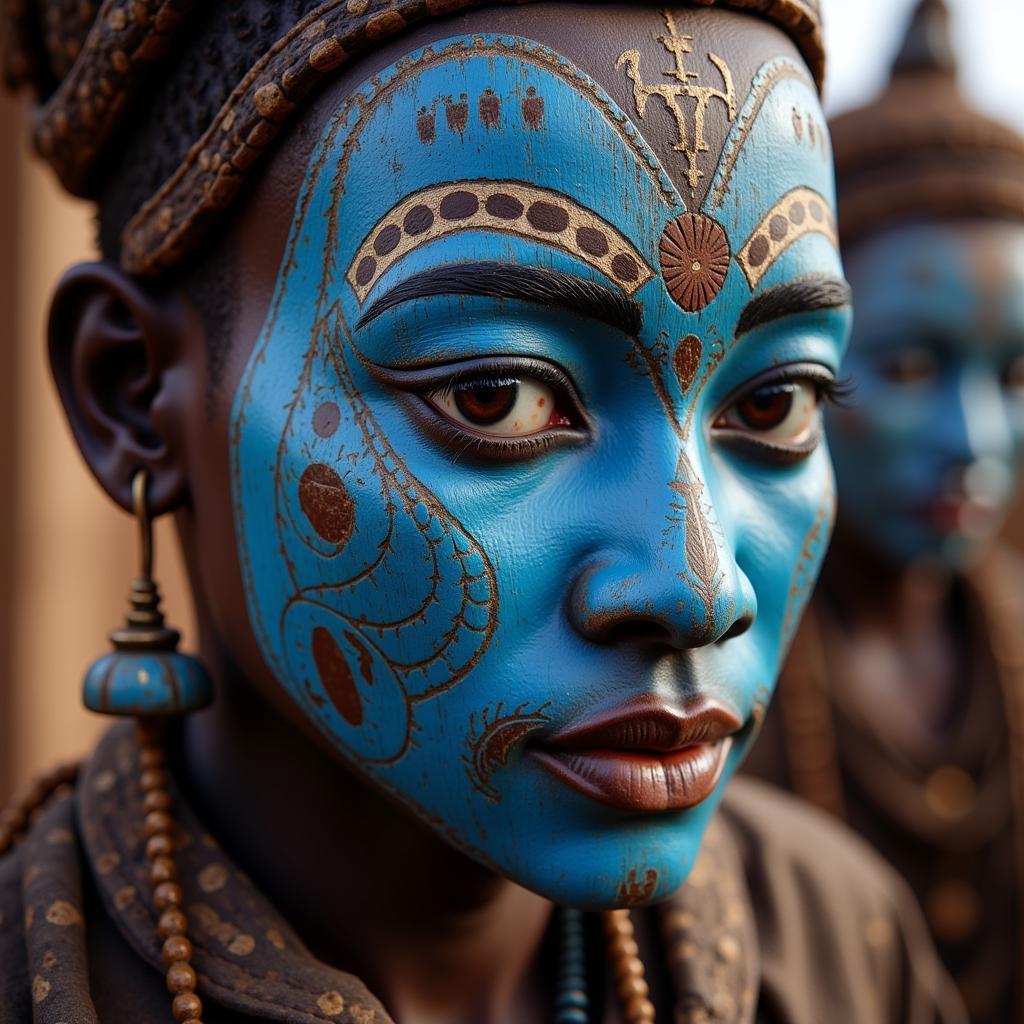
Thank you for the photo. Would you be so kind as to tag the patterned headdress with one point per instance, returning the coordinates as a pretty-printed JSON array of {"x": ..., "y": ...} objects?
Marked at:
[
  {"x": 102, "y": 72},
  {"x": 919, "y": 151}
]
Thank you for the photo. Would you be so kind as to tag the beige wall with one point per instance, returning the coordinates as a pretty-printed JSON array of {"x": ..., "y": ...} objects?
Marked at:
[{"x": 71, "y": 552}]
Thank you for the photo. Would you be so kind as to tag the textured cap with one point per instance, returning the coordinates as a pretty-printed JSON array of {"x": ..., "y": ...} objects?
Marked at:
[
  {"x": 92, "y": 64},
  {"x": 920, "y": 150}
]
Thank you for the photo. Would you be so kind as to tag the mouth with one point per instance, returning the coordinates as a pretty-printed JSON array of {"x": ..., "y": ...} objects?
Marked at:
[{"x": 646, "y": 756}]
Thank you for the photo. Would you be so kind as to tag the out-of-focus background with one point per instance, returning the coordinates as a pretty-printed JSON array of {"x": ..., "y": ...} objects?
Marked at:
[{"x": 67, "y": 554}]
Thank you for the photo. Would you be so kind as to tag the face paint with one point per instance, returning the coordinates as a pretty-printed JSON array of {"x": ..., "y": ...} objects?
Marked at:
[
  {"x": 516, "y": 450},
  {"x": 938, "y": 416}
]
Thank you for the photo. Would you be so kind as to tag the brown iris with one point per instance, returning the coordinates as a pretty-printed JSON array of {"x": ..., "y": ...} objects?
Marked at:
[
  {"x": 766, "y": 408},
  {"x": 486, "y": 402}
]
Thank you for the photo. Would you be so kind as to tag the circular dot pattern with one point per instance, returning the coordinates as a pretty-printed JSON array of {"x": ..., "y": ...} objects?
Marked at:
[{"x": 326, "y": 503}]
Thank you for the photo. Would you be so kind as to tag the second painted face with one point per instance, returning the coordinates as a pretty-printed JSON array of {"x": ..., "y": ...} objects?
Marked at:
[
  {"x": 527, "y": 470},
  {"x": 928, "y": 454}
]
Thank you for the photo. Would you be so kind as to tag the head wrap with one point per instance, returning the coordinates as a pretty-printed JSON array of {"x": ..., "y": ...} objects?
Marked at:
[
  {"x": 919, "y": 151},
  {"x": 101, "y": 73}
]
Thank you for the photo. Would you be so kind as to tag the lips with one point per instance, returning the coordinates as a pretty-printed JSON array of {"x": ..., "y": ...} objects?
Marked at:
[{"x": 646, "y": 756}]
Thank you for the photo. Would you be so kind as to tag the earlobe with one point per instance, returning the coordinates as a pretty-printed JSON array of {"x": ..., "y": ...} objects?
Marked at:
[{"x": 114, "y": 342}]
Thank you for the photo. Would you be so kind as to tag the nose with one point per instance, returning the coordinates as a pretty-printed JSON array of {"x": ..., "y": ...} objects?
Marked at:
[
  {"x": 673, "y": 581},
  {"x": 985, "y": 432}
]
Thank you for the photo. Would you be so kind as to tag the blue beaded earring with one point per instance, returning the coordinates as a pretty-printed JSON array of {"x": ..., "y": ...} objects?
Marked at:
[{"x": 145, "y": 675}]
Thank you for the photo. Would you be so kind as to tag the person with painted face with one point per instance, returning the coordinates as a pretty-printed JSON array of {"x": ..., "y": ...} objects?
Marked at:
[
  {"x": 479, "y": 352},
  {"x": 902, "y": 706}
]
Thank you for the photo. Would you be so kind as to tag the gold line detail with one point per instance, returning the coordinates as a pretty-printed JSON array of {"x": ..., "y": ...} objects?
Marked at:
[
  {"x": 509, "y": 207},
  {"x": 799, "y": 212}
]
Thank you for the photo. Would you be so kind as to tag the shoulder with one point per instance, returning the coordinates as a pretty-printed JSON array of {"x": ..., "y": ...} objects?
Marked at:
[
  {"x": 14, "y": 985},
  {"x": 828, "y": 907}
]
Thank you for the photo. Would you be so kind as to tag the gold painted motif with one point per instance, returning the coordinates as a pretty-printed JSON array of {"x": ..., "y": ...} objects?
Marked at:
[
  {"x": 508, "y": 207},
  {"x": 799, "y": 212},
  {"x": 690, "y": 142}
]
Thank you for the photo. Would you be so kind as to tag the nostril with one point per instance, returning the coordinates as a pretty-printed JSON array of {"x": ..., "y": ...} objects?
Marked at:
[
  {"x": 738, "y": 628},
  {"x": 636, "y": 630}
]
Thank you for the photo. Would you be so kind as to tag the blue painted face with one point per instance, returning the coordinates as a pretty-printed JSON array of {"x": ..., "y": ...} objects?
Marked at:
[
  {"x": 928, "y": 455},
  {"x": 516, "y": 447}
]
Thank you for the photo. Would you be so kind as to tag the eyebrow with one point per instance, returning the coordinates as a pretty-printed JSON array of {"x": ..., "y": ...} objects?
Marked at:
[
  {"x": 509, "y": 281},
  {"x": 805, "y": 294}
]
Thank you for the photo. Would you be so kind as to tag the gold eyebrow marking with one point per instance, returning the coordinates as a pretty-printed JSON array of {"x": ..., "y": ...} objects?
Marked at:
[
  {"x": 508, "y": 207},
  {"x": 799, "y": 212}
]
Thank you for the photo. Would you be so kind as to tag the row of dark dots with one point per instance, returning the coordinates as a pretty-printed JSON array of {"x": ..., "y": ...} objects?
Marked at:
[
  {"x": 778, "y": 228},
  {"x": 543, "y": 216}
]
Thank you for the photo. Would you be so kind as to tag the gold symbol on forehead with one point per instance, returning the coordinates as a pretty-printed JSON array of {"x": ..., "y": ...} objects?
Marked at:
[
  {"x": 684, "y": 88},
  {"x": 799, "y": 212},
  {"x": 506, "y": 207}
]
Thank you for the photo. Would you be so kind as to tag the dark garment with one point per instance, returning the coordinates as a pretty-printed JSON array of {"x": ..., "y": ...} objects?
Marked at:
[
  {"x": 942, "y": 812},
  {"x": 785, "y": 918}
]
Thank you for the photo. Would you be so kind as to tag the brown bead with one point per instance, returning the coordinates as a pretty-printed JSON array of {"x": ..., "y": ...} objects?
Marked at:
[
  {"x": 162, "y": 869},
  {"x": 623, "y": 946},
  {"x": 152, "y": 757},
  {"x": 157, "y": 822},
  {"x": 628, "y": 967},
  {"x": 167, "y": 894},
  {"x": 156, "y": 800},
  {"x": 153, "y": 778},
  {"x": 186, "y": 1005},
  {"x": 176, "y": 949},
  {"x": 172, "y": 922},
  {"x": 634, "y": 985},
  {"x": 639, "y": 1010},
  {"x": 161, "y": 845},
  {"x": 180, "y": 978}
]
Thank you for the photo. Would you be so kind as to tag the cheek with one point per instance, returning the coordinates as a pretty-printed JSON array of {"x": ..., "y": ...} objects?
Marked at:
[{"x": 366, "y": 595}]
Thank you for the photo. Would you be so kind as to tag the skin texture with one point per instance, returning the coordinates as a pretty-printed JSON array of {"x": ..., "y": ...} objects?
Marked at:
[
  {"x": 938, "y": 416},
  {"x": 657, "y": 548}
]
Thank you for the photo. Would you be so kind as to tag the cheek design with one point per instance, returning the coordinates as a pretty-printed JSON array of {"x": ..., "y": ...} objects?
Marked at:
[{"x": 382, "y": 599}]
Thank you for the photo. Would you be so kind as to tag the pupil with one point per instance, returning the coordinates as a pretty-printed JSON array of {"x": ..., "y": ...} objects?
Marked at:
[
  {"x": 486, "y": 402},
  {"x": 767, "y": 408}
]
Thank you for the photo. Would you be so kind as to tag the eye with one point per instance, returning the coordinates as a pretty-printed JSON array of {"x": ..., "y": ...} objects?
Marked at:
[
  {"x": 776, "y": 412},
  {"x": 778, "y": 416},
  {"x": 912, "y": 367},
  {"x": 501, "y": 407}
]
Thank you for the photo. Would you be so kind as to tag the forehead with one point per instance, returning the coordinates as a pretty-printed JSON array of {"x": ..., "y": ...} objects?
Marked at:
[{"x": 684, "y": 146}]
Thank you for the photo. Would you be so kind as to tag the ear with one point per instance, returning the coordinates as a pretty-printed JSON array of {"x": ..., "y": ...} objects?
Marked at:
[{"x": 115, "y": 345}]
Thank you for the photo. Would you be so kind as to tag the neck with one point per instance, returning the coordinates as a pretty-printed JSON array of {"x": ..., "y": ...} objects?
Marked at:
[{"x": 370, "y": 890}]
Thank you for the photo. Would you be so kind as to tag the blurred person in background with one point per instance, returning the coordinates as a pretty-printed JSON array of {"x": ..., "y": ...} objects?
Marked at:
[{"x": 901, "y": 708}]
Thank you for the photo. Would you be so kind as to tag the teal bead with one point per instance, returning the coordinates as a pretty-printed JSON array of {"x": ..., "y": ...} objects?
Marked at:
[{"x": 146, "y": 684}]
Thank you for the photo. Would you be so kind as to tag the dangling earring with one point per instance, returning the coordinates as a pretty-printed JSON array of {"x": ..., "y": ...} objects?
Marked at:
[{"x": 145, "y": 675}]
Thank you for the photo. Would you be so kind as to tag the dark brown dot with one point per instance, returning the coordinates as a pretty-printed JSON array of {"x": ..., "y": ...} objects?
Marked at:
[
  {"x": 365, "y": 271},
  {"x": 504, "y": 206},
  {"x": 459, "y": 205},
  {"x": 386, "y": 241},
  {"x": 548, "y": 217},
  {"x": 759, "y": 249},
  {"x": 778, "y": 227},
  {"x": 625, "y": 268},
  {"x": 336, "y": 676},
  {"x": 326, "y": 503},
  {"x": 418, "y": 220},
  {"x": 797, "y": 213},
  {"x": 816, "y": 210},
  {"x": 686, "y": 361},
  {"x": 592, "y": 241},
  {"x": 326, "y": 419}
]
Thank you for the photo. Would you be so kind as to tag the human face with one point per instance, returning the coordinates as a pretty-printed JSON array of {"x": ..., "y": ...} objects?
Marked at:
[
  {"x": 526, "y": 470},
  {"x": 928, "y": 454}
]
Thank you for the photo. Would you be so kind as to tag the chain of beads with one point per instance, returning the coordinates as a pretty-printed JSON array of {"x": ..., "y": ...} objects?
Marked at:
[
  {"x": 158, "y": 826},
  {"x": 571, "y": 1002},
  {"x": 15, "y": 818},
  {"x": 627, "y": 967}
]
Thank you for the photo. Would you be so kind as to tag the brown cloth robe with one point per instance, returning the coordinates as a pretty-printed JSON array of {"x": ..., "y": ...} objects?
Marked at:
[
  {"x": 785, "y": 918},
  {"x": 946, "y": 814}
]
